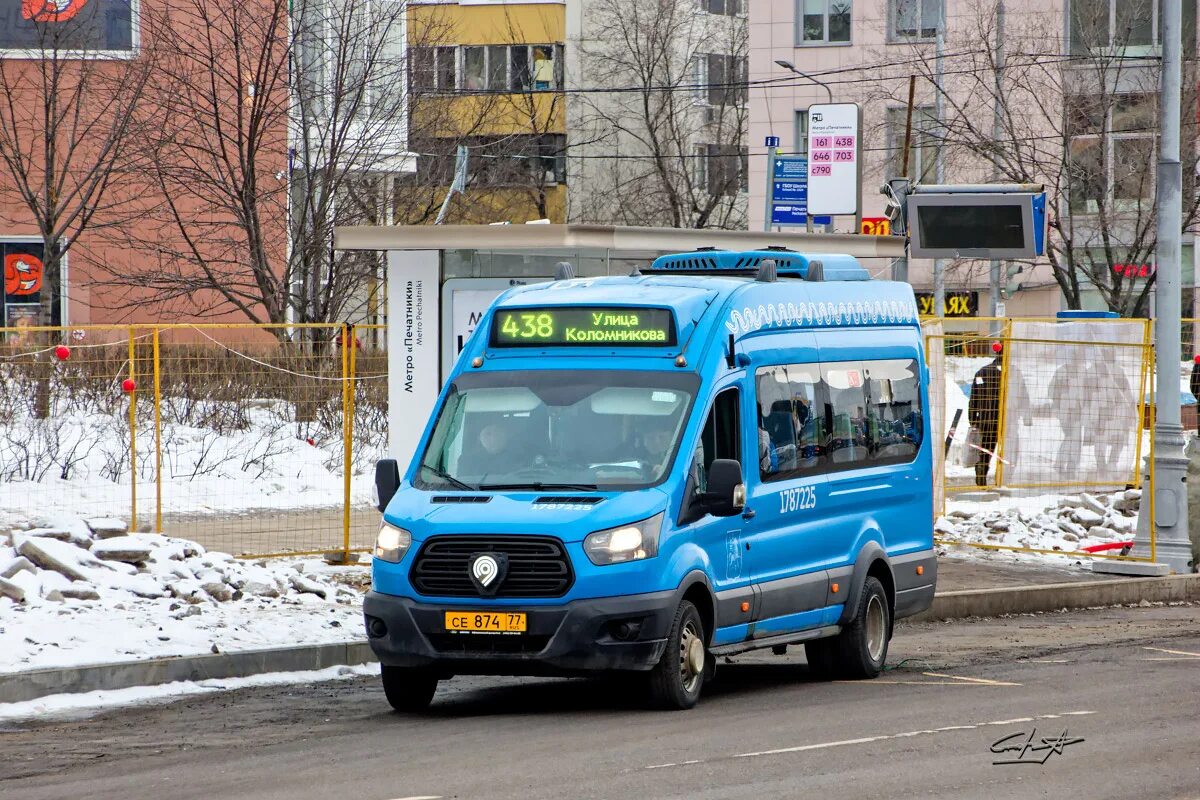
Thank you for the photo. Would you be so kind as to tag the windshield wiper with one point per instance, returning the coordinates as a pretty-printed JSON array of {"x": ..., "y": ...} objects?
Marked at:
[
  {"x": 453, "y": 481},
  {"x": 541, "y": 487}
]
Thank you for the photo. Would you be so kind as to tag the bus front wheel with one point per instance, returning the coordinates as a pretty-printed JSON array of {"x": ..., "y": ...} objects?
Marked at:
[
  {"x": 676, "y": 680},
  {"x": 408, "y": 689}
]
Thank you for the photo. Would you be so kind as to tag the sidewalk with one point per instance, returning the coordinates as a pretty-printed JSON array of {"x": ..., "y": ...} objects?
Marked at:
[{"x": 957, "y": 573}]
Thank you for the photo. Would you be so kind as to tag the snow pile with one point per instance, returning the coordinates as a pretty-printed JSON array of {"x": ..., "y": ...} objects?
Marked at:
[
  {"x": 1046, "y": 522},
  {"x": 86, "y": 591}
]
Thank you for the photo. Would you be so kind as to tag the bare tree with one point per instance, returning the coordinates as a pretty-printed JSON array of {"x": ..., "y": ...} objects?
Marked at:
[
  {"x": 72, "y": 91},
  {"x": 672, "y": 129},
  {"x": 280, "y": 121},
  {"x": 1079, "y": 114}
]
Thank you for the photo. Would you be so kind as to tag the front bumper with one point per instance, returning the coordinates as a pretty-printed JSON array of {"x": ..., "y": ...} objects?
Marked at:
[{"x": 579, "y": 637}]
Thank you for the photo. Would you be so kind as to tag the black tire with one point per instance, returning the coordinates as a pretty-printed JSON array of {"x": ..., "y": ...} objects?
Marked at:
[
  {"x": 860, "y": 650},
  {"x": 821, "y": 658},
  {"x": 408, "y": 689},
  {"x": 674, "y": 682}
]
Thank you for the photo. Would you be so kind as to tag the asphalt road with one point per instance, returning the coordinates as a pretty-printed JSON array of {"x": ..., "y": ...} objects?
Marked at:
[{"x": 1116, "y": 689}]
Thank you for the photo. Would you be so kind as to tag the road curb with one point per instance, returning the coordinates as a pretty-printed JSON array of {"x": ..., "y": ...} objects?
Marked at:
[
  {"x": 1056, "y": 596},
  {"x": 16, "y": 687}
]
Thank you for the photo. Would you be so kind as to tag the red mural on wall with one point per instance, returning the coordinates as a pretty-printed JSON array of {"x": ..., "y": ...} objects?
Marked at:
[{"x": 51, "y": 10}]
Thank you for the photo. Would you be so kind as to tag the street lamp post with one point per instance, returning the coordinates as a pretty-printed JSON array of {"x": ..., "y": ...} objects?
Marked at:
[{"x": 790, "y": 67}]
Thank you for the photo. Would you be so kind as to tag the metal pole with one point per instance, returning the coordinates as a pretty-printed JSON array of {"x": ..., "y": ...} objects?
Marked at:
[
  {"x": 133, "y": 526},
  {"x": 157, "y": 436},
  {"x": 1169, "y": 462},
  {"x": 347, "y": 434},
  {"x": 771, "y": 153},
  {"x": 1162, "y": 533},
  {"x": 900, "y": 265},
  {"x": 939, "y": 266},
  {"x": 994, "y": 269}
]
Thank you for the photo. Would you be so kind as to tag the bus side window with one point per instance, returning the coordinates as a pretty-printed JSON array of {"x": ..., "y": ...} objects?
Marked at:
[
  {"x": 846, "y": 414},
  {"x": 718, "y": 439}
]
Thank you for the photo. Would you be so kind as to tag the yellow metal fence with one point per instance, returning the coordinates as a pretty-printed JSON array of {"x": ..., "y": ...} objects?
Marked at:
[
  {"x": 1041, "y": 417},
  {"x": 261, "y": 440},
  {"x": 251, "y": 439}
]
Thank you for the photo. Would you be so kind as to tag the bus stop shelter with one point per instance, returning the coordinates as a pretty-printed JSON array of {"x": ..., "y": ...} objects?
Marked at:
[{"x": 441, "y": 279}]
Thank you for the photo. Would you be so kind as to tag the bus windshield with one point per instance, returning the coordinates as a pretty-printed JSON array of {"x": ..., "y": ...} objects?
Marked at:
[{"x": 579, "y": 430}]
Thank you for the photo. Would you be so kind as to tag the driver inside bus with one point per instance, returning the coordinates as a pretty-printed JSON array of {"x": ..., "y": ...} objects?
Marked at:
[
  {"x": 656, "y": 449},
  {"x": 497, "y": 452}
]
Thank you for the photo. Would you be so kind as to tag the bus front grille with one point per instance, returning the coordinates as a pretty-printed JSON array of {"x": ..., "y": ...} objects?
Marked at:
[{"x": 538, "y": 566}]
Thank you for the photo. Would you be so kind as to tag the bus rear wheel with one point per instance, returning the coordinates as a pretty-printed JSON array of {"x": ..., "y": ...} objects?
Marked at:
[
  {"x": 861, "y": 648},
  {"x": 408, "y": 689},
  {"x": 677, "y": 678}
]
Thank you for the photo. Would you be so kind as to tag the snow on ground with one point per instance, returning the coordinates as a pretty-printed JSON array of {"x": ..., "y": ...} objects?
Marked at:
[
  {"x": 77, "y": 461},
  {"x": 1048, "y": 522},
  {"x": 86, "y": 592},
  {"x": 57, "y": 706}
]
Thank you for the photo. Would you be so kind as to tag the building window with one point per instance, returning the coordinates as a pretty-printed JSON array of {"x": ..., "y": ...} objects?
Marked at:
[
  {"x": 1112, "y": 141},
  {"x": 700, "y": 167},
  {"x": 823, "y": 21},
  {"x": 474, "y": 68},
  {"x": 726, "y": 168},
  {"x": 514, "y": 68},
  {"x": 432, "y": 69},
  {"x": 1124, "y": 25},
  {"x": 801, "y": 141},
  {"x": 721, "y": 80},
  {"x": 105, "y": 28},
  {"x": 915, "y": 19},
  {"x": 923, "y": 149},
  {"x": 730, "y": 8}
]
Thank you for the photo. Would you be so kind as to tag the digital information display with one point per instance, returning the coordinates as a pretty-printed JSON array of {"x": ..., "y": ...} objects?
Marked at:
[{"x": 583, "y": 325}]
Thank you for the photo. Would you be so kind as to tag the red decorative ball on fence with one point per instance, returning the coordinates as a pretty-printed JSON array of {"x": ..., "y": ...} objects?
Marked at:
[
  {"x": 62, "y": 352},
  {"x": 128, "y": 385},
  {"x": 997, "y": 347},
  {"x": 1197, "y": 359}
]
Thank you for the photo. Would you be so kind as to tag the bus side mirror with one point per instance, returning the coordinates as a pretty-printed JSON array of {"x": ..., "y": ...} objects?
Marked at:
[
  {"x": 726, "y": 493},
  {"x": 387, "y": 481}
]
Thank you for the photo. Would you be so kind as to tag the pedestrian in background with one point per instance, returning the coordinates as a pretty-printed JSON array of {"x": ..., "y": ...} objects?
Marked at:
[{"x": 983, "y": 412}]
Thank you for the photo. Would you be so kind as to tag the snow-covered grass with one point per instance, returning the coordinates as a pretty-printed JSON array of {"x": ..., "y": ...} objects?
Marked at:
[
  {"x": 73, "y": 705},
  {"x": 85, "y": 592}
]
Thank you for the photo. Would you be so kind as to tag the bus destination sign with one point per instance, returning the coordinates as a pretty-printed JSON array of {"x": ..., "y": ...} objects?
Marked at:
[{"x": 583, "y": 325}]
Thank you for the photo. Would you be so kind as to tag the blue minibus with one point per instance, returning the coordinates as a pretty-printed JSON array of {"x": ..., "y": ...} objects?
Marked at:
[{"x": 725, "y": 452}]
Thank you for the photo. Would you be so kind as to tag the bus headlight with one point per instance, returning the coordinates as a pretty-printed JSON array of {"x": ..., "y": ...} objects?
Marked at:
[
  {"x": 631, "y": 542},
  {"x": 392, "y": 543}
]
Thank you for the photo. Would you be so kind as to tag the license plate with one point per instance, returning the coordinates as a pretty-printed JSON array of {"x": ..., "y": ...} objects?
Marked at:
[{"x": 484, "y": 622}]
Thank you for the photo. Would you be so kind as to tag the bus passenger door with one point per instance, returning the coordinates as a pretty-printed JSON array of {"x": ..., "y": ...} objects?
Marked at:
[
  {"x": 721, "y": 538},
  {"x": 787, "y": 491}
]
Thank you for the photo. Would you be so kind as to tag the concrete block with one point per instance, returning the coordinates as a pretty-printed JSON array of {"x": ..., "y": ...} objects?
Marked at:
[{"x": 1144, "y": 569}]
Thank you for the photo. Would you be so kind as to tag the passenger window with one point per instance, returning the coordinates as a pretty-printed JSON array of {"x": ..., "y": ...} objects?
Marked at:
[
  {"x": 895, "y": 425},
  {"x": 791, "y": 425},
  {"x": 846, "y": 415},
  {"x": 718, "y": 439}
]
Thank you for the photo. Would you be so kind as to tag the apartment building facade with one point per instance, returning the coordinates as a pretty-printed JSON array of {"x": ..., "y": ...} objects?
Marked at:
[
  {"x": 1074, "y": 108},
  {"x": 488, "y": 112},
  {"x": 658, "y": 112},
  {"x": 601, "y": 111}
]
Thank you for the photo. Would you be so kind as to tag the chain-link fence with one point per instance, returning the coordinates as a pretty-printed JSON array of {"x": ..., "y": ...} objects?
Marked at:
[
  {"x": 1046, "y": 426},
  {"x": 250, "y": 439}
]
